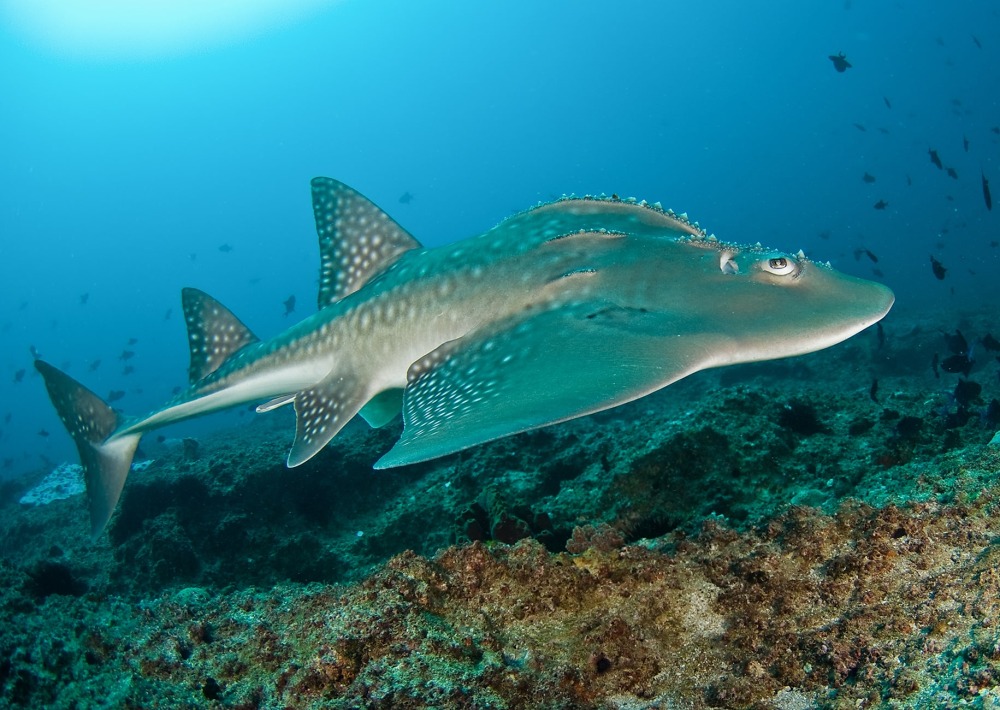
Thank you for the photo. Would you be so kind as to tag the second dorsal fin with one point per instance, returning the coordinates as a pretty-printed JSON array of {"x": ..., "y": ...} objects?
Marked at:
[
  {"x": 357, "y": 240},
  {"x": 214, "y": 333}
]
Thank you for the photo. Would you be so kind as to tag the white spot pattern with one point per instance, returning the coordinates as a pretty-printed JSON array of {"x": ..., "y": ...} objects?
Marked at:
[
  {"x": 214, "y": 333},
  {"x": 357, "y": 240}
]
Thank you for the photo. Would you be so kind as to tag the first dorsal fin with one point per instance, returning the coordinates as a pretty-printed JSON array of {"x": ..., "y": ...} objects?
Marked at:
[
  {"x": 357, "y": 240},
  {"x": 214, "y": 333}
]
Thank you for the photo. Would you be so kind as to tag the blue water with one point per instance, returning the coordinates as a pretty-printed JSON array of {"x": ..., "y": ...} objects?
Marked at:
[{"x": 126, "y": 166}]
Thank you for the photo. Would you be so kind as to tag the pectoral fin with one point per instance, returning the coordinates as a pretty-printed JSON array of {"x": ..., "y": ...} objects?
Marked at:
[
  {"x": 322, "y": 411},
  {"x": 516, "y": 377}
]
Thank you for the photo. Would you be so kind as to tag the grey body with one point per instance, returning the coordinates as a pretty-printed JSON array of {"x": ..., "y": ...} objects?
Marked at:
[{"x": 569, "y": 308}]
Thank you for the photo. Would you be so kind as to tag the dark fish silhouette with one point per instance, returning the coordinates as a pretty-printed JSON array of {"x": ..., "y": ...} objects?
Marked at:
[
  {"x": 868, "y": 178},
  {"x": 989, "y": 342},
  {"x": 19, "y": 375},
  {"x": 84, "y": 297},
  {"x": 995, "y": 129},
  {"x": 115, "y": 395},
  {"x": 170, "y": 312},
  {"x": 840, "y": 62},
  {"x": 94, "y": 365},
  {"x": 938, "y": 268},
  {"x": 909, "y": 181},
  {"x": 966, "y": 392},
  {"x": 880, "y": 334},
  {"x": 873, "y": 391},
  {"x": 957, "y": 364},
  {"x": 861, "y": 251},
  {"x": 289, "y": 304},
  {"x": 986, "y": 192},
  {"x": 951, "y": 173},
  {"x": 976, "y": 41},
  {"x": 126, "y": 355},
  {"x": 881, "y": 205},
  {"x": 860, "y": 127},
  {"x": 406, "y": 198},
  {"x": 965, "y": 143},
  {"x": 887, "y": 104},
  {"x": 225, "y": 248},
  {"x": 128, "y": 370},
  {"x": 34, "y": 352},
  {"x": 132, "y": 341},
  {"x": 934, "y": 158},
  {"x": 42, "y": 433},
  {"x": 956, "y": 342}
]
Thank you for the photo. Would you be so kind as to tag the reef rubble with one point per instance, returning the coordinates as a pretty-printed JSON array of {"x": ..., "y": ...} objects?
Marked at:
[{"x": 784, "y": 535}]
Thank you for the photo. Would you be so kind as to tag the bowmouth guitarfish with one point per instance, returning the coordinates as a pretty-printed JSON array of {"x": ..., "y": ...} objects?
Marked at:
[{"x": 566, "y": 309}]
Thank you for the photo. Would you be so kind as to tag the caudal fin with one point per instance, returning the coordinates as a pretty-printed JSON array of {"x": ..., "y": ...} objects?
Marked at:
[{"x": 91, "y": 422}]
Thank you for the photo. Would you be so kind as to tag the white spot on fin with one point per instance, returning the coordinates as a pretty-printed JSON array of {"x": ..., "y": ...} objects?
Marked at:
[
  {"x": 214, "y": 333},
  {"x": 357, "y": 240}
]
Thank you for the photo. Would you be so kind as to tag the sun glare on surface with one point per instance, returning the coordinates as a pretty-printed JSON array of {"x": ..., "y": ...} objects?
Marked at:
[{"x": 148, "y": 28}]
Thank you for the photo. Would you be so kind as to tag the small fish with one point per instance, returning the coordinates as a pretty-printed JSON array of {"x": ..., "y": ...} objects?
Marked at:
[
  {"x": 126, "y": 355},
  {"x": 868, "y": 178},
  {"x": 225, "y": 248},
  {"x": 938, "y": 268},
  {"x": 132, "y": 341},
  {"x": 880, "y": 334},
  {"x": 966, "y": 392},
  {"x": 19, "y": 375},
  {"x": 861, "y": 251},
  {"x": 840, "y": 62},
  {"x": 84, "y": 297},
  {"x": 887, "y": 104},
  {"x": 909, "y": 181},
  {"x": 956, "y": 342},
  {"x": 42, "y": 433},
  {"x": 128, "y": 370},
  {"x": 935, "y": 361},
  {"x": 986, "y": 192},
  {"x": 883, "y": 130},
  {"x": 881, "y": 205},
  {"x": 193, "y": 256},
  {"x": 34, "y": 352},
  {"x": 289, "y": 304},
  {"x": 115, "y": 395},
  {"x": 989, "y": 342},
  {"x": 170, "y": 312},
  {"x": 860, "y": 127},
  {"x": 965, "y": 143},
  {"x": 406, "y": 198},
  {"x": 995, "y": 129},
  {"x": 935, "y": 158},
  {"x": 951, "y": 173},
  {"x": 873, "y": 391},
  {"x": 976, "y": 41},
  {"x": 957, "y": 364},
  {"x": 94, "y": 365}
]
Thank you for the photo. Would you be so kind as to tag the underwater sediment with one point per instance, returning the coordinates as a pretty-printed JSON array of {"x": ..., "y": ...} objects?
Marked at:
[{"x": 782, "y": 535}]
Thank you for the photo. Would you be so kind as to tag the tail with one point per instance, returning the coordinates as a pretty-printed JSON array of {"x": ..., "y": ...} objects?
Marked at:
[{"x": 91, "y": 422}]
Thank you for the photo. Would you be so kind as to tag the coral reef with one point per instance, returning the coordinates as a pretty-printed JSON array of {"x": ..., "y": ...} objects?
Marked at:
[{"x": 760, "y": 537}]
